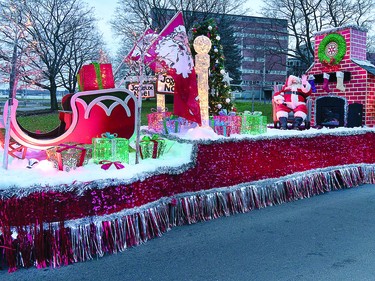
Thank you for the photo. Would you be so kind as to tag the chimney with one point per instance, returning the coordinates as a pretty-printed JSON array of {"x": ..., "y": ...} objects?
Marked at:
[{"x": 355, "y": 37}]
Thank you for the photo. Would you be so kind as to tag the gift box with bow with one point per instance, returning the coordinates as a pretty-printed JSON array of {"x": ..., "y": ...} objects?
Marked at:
[
  {"x": 226, "y": 123},
  {"x": 222, "y": 128},
  {"x": 152, "y": 147},
  {"x": 95, "y": 76},
  {"x": 253, "y": 123},
  {"x": 230, "y": 119},
  {"x": 110, "y": 148},
  {"x": 172, "y": 124},
  {"x": 155, "y": 119},
  {"x": 67, "y": 156}
]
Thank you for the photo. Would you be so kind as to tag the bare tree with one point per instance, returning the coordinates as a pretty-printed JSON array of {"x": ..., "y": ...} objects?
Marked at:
[
  {"x": 84, "y": 46},
  {"x": 58, "y": 28},
  {"x": 16, "y": 47},
  {"x": 13, "y": 38},
  {"x": 305, "y": 17},
  {"x": 134, "y": 16}
]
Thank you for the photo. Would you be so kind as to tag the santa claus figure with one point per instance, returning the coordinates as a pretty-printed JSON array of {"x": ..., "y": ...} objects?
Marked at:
[{"x": 292, "y": 97}]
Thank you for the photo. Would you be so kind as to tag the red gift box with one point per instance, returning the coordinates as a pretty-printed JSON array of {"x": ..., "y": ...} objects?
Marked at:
[
  {"x": 69, "y": 155},
  {"x": 155, "y": 120},
  {"x": 95, "y": 76}
]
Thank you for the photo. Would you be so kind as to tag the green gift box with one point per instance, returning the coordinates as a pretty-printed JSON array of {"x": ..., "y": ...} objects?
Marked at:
[
  {"x": 152, "y": 147},
  {"x": 253, "y": 123},
  {"x": 111, "y": 148}
]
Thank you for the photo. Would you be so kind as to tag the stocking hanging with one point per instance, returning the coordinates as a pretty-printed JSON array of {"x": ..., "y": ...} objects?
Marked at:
[
  {"x": 340, "y": 81},
  {"x": 311, "y": 80},
  {"x": 325, "y": 82}
]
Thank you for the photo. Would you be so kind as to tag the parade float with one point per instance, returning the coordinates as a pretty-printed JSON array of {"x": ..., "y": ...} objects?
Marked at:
[{"x": 92, "y": 197}]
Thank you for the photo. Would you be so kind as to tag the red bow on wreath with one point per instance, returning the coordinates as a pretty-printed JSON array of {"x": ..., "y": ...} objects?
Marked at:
[{"x": 330, "y": 66}]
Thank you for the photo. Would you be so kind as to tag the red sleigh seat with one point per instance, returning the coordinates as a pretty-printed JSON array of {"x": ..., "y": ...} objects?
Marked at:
[{"x": 92, "y": 113}]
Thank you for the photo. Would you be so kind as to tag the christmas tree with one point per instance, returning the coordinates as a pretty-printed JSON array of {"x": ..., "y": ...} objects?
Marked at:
[{"x": 218, "y": 80}]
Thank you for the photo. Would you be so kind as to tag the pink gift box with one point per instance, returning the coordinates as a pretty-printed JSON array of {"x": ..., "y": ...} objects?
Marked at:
[
  {"x": 155, "y": 120},
  {"x": 223, "y": 130},
  {"x": 234, "y": 122}
]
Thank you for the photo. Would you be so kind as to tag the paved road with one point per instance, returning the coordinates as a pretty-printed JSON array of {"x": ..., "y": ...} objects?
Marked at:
[{"x": 327, "y": 237}]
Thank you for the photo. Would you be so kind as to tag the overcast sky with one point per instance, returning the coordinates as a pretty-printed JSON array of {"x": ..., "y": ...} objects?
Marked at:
[{"x": 105, "y": 9}]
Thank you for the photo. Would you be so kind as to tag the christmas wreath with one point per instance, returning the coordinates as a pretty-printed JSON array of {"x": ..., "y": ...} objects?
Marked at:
[{"x": 332, "y": 49}]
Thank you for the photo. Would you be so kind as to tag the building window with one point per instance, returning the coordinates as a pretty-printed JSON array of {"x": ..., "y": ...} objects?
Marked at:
[
  {"x": 248, "y": 71},
  {"x": 277, "y": 72}
]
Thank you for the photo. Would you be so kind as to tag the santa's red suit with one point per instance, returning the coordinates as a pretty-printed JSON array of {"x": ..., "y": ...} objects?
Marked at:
[{"x": 292, "y": 97}]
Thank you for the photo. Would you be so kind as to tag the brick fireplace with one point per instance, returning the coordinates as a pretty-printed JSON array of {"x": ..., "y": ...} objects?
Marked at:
[
  {"x": 331, "y": 111},
  {"x": 359, "y": 82}
]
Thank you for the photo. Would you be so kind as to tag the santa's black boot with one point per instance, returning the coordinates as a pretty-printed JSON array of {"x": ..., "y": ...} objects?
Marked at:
[
  {"x": 283, "y": 123},
  {"x": 297, "y": 122}
]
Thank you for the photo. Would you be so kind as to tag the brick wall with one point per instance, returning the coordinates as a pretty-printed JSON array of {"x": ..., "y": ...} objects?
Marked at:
[
  {"x": 357, "y": 44},
  {"x": 370, "y": 102},
  {"x": 361, "y": 86}
]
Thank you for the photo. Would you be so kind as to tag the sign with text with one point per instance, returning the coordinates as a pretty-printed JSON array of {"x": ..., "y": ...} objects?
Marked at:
[
  {"x": 148, "y": 90},
  {"x": 165, "y": 84}
]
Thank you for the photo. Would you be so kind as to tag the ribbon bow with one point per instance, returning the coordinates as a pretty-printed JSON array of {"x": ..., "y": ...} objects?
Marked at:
[
  {"x": 108, "y": 135},
  {"x": 107, "y": 164},
  {"x": 220, "y": 123},
  {"x": 172, "y": 117},
  {"x": 153, "y": 138},
  {"x": 225, "y": 112},
  {"x": 254, "y": 113},
  {"x": 66, "y": 146}
]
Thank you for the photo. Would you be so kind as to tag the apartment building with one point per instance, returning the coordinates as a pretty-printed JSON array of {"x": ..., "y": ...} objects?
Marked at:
[{"x": 263, "y": 43}]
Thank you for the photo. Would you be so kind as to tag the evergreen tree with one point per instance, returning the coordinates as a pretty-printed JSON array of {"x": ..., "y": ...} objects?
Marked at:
[
  {"x": 218, "y": 80},
  {"x": 231, "y": 50}
]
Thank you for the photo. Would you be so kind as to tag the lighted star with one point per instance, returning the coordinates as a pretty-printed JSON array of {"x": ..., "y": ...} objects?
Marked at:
[{"x": 226, "y": 78}]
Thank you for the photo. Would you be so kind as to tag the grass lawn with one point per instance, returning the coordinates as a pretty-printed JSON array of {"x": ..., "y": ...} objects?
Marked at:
[{"x": 47, "y": 122}]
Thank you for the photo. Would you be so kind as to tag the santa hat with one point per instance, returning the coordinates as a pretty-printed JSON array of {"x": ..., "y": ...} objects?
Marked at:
[{"x": 293, "y": 80}]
